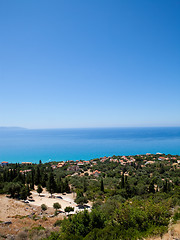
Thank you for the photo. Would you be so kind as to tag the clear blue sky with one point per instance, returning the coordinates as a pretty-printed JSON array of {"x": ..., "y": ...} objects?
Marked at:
[{"x": 89, "y": 63}]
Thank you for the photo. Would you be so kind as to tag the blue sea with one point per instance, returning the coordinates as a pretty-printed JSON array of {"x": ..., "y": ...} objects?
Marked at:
[{"x": 19, "y": 145}]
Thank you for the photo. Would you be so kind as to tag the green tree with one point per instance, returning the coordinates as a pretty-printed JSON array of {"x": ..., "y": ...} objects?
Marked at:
[
  {"x": 28, "y": 190},
  {"x": 102, "y": 185},
  {"x": 151, "y": 187},
  {"x": 122, "y": 181},
  {"x": 56, "y": 205},
  {"x": 23, "y": 193},
  {"x": 43, "y": 207},
  {"x": 66, "y": 186},
  {"x": 39, "y": 189},
  {"x": 37, "y": 176},
  {"x": 59, "y": 186},
  {"x": 13, "y": 188},
  {"x": 44, "y": 179},
  {"x": 81, "y": 199},
  {"x": 51, "y": 184},
  {"x": 84, "y": 185},
  {"x": 32, "y": 179}
]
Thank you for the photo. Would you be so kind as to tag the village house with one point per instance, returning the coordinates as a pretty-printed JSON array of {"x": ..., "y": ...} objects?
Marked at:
[
  {"x": 60, "y": 164},
  {"x": 4, "y": 163},
  {"x": 26, "y": 163},
  {"x": 53, "y": 167},
  {"x": 132, "y": 159},
  {"x": 80, "y": 163},
  {"x": 122, "y": 162},
  {"x": 94, "y": 163},
  {"x": 25, "y": 171},
  {"x": 73, "y": 168},
  {"x": 124, "y": 157},
  {"x": 96, "y": 173},
  {"x": 103, "y": 159},
  {"x": 86, "y": 162},
  {"x": 114, "y": 160},
  {"x": 69, "y": 161}
]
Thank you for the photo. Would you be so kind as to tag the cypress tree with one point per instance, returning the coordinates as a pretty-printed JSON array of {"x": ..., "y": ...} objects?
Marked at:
[
  {"x": 51, "y": 184},
  {"x": 11, "y": 175},
  {"x": 59, "y": 186},
  {"x": 66, "y": 186},
  {"x": 44, "y": 179},
  {"x": 4, "y": 176},
  {"x": 122, "y": 181},
  {"x": 102, "y": 185},
  {"x": 127, "y": 187},
  {"x": 37, "y": 178},
  {"x": 32, "y": 179},
  {"x": 165, "y": 187},
  {"x": 84, "y": 185},
  {"x": 28, "y": 190},
  {"x": 23, "y": 193},
  {"x": 15, "y": 173},
  {"x": 168, "y": 187},
  {"x": 8, "y": 176},
  {"x": 151, "y": 187},
  {"x": 24, "y": 178}
]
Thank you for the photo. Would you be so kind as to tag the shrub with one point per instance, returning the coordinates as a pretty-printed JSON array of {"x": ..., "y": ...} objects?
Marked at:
[
  {"x": 69, "y": 209},
  {"x": 39, "y": 189},
  {"x": 57, "y": 223},
  {"x": 176, "y": 216},
  {"x": 43, "y": 207}
]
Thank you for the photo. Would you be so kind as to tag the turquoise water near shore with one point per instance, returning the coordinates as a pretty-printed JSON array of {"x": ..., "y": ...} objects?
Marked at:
[{"x": 19, "y": 145}]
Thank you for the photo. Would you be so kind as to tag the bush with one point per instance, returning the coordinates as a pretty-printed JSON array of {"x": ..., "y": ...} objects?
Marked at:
[
  {"x": 176, "y": 216},
  {"x": 57, "y": 223},
  {"x": 39, "y": 189},
  {"x": 69, "y": 209},
  {"x": 43, "y": 207}
]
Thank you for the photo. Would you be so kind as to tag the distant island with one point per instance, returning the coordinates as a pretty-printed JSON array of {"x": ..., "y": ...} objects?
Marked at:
[{"x": 117, "y": 197}]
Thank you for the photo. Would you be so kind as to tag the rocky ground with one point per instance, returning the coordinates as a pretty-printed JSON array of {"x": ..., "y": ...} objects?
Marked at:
[
  {"x": 19, "y": 220},
  {"x": 17, "y": 217}
]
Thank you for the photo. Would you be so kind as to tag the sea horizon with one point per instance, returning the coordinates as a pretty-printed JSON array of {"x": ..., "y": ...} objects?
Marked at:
[
  {"x": 62, "y": 144},
  {"x": 65, "y": 128}
]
